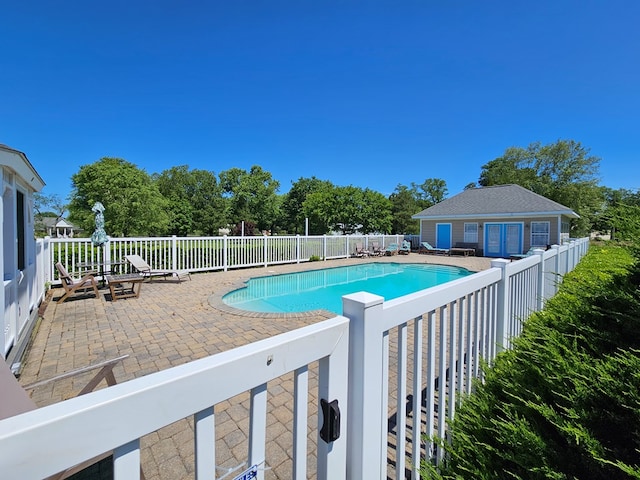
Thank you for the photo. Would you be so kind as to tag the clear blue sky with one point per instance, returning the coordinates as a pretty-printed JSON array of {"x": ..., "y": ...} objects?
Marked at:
[{"x": 371, "y": 94}]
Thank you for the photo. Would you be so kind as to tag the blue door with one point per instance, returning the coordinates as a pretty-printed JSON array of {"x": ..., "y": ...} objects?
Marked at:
[
  {"x": 502, "y": 239},
  {"x": 443, "y": 235}
]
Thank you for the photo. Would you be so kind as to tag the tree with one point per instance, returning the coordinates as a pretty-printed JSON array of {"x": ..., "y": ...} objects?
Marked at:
[
  {"x": 563, "y": 171},
  {"x": 293, "y": 217},
  {"x": 318, "y": 207},
  {"x": 252, "y": 196},
  {"x": 404, "y": 204},
  {"x": 620, "y": 214},
  {"x": 376, "y": 213},
  {"x": 46, "y": 206},
  {"x": 133, "y": 203},
  {"x": 173, "y": 184},
  {"x": 348, "y": 210},
  {"x": 195, "y": 202},
  {"x": 430, "y": 192}
]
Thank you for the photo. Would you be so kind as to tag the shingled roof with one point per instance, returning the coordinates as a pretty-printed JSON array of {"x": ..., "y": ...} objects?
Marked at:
[{"x": 496, "y": 201}]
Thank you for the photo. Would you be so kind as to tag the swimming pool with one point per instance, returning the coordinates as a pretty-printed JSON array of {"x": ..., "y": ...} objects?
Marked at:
[{"x": 323, "y": 289}]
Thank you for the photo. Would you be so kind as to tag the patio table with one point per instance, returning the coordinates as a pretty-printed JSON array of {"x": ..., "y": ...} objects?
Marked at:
[{"x": 119, "y": 289}]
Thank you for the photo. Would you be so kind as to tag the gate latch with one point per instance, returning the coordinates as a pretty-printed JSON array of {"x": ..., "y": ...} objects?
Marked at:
[{"x": 330, "y": 430}]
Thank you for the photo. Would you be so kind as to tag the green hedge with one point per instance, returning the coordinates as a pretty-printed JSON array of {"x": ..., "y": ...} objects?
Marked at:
[{"x": 565, "y": 402}]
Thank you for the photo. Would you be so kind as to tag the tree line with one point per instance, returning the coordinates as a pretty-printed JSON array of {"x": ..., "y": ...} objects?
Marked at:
[{"x": 182, "y": 201}]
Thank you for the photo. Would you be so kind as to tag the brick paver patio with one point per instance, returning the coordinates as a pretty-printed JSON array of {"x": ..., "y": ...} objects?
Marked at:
[{"x": 174, "y": 323}]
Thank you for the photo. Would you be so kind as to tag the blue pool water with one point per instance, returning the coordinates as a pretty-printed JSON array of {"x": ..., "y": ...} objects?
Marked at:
[{"x": 323, "y": 289}]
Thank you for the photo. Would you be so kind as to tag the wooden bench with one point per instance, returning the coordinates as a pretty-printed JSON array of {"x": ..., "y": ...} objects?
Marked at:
[{"x": 463, "y": 248}]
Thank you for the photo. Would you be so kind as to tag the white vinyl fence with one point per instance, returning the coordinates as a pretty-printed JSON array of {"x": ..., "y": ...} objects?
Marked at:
[
  {"x": 411, "y": 359},
  {"x": 200, "y": 254},
  {"x": 117, "y": 417},
  {"x": 396, "y": 370}
]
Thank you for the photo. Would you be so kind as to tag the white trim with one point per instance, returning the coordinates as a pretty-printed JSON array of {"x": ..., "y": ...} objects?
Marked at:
[
  {"x": 18, "y": 162},
  {"x": 548, "y": 242}
]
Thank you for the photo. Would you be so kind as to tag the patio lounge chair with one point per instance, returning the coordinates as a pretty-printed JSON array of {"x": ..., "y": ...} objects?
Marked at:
[
  {"x": 518, "y": 256},
  {"x": 405, "y": 249},
  {"x": 72, "y": 285},
  {"x": 146, "y": 271},
  {"x": 425, "y": 247},
  {"x": 15, "y": 400},
  {"x": 392, "y": 249}
]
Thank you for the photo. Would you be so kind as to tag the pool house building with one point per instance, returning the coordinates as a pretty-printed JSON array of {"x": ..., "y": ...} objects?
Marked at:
[{"x": 497, "y": 221}]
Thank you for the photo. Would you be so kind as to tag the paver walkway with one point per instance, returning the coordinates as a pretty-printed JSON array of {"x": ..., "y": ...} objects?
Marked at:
[{"x": 171, "y": 324}]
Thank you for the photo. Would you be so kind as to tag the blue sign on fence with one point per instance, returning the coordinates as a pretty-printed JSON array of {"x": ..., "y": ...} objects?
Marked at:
[{"x": 248, "y": 474}]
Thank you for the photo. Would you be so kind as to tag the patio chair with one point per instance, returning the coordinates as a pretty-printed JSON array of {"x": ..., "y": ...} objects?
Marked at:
[
  {"x": 405, "y": 249},
  {"x": 425, "y": 247},
  {"x": 392, "y": 249},
  {"x": 360, "y": 251},
  {"x": 72, "y": 285},
  {"x": 375, "y": 249},
  {"x": 15, "y": 400},
  {"x": 145, "y": 269}
]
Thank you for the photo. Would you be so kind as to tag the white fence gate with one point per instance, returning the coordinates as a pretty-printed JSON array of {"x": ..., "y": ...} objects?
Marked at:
[{"x": 115, "y": 418}]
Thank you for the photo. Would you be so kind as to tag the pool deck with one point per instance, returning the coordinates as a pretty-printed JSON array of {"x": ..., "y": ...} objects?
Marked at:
[{"x": 174, "y": 323}]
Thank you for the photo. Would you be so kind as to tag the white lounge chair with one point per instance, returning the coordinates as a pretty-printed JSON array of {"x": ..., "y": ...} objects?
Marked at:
[{"x": 146, "y": 271}]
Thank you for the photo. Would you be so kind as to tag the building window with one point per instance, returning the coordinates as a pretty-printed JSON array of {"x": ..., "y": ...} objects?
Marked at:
[
  {"x": 539, "y": 234},
  {"x": 470, "y": 233}
]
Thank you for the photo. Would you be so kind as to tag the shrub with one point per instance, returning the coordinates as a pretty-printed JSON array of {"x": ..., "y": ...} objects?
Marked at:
[{"x": 565, "y": 402}]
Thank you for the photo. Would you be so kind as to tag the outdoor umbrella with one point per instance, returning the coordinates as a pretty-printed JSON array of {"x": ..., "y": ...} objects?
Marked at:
[{"x": 99, "y": 236}]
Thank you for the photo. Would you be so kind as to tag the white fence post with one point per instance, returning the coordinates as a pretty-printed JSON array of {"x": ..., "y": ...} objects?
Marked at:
[
  {"x": 324, "y": 247},
  {"x": 572, "y": 255},
  {"x": 265, "y": 250},
  {"x": 47, "y": 264},
  {"x": 503, "y": 307},
  {"x": 366, "y": 416},
  {"x": 541, "y": 275},
  {"x": 297, "y": 248},
  {"x": 225, "y": 258},
  {"x": 557, "y": 267},
  {"x": 333, "y": 385},
  {"x": 174, "y": 253}
]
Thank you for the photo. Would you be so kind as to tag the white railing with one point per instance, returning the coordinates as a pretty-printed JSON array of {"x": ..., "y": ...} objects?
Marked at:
[
  {"x": 410, "y": 361},
  {"x": 199, "y": 254},
  {"x": 116, "y": 418},
  {"x": 416, "y": 356}
]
